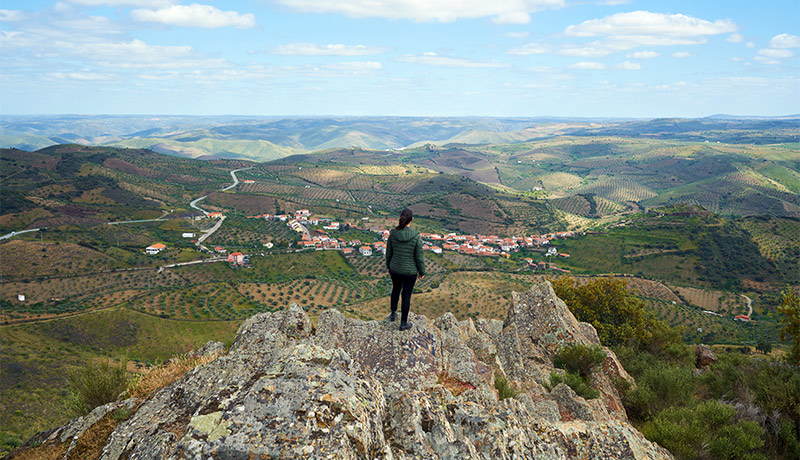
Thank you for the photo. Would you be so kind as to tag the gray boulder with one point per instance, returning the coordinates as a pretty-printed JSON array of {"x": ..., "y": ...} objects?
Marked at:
[{"x": 353, "y": 389}]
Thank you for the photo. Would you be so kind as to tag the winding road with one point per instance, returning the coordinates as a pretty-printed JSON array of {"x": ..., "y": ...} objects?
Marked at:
[
  {"x": 749, "y": 305},
  {"x": 9, "y": 235},
  {"x": 235, "y": 179},
  {"x": 216, "y": 227},
  {"x": 193, "y": 204}
]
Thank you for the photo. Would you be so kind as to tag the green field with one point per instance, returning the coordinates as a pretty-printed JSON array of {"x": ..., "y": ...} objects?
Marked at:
[
  {"x": 38, "y": 356},
  {"x": 692, "y": 225}
]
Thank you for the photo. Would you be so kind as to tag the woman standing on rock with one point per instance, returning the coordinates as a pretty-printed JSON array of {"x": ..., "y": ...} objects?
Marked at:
[{"x": 404, "y": 261}]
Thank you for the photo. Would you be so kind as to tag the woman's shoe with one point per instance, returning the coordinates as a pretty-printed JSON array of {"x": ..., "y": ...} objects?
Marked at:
[
  {"x": 393, "y": 316},
  {"x": 405, "y": 326}
]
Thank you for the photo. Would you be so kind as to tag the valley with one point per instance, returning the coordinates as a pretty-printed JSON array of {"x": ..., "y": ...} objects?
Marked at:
[{"x": 697, "y": 229}]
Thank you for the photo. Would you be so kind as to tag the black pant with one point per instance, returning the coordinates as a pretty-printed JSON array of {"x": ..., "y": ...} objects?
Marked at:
[{"x": 404, "y": 283}]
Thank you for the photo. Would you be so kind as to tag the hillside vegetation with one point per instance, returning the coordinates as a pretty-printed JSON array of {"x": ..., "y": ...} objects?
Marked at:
[{"x": 693, "y": 227}]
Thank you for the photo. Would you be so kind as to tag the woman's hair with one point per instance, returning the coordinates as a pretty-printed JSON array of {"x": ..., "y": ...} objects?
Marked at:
[{"x": 405, "y": 218}]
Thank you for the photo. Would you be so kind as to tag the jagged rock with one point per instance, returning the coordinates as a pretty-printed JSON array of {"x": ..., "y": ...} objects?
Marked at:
[
  {"x": 356, "y": 389},
  {"x": 704, "y": 356},
  {"x": 207, "y": 350}
]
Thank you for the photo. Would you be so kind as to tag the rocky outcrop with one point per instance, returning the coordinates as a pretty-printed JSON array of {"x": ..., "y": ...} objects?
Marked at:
[
  {"x": 351, "y": 389},
  {"x": 704, "y": 356}
]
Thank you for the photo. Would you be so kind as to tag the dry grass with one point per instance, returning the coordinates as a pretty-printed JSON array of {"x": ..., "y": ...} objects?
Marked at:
[
  {"x": 49, "y": 451},
  {"x": 90, "y": 444},
  {"x": 165, "y": 374}
]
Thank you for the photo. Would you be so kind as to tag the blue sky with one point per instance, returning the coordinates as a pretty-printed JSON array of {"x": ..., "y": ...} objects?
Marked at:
[{"x": 580, "y": 58}]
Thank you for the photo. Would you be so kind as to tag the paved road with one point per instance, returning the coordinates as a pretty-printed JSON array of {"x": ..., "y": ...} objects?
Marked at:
[
  {"x": 194, "y": 204},
  {"x": 136, "y": 221},
  {"x": 9, "y": 235},
  {"x": 749, "y": 305},
  {"x": 210, "y": 231},
  {"x": 235, "y": 179},
  {"x": 193, "y": 262}
]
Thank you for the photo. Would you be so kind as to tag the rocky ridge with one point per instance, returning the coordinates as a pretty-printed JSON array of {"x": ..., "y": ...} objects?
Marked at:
[{"x": 352, "y": 389}]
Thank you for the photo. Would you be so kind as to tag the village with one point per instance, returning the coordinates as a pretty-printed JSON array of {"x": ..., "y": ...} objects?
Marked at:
[
  {"x": 324, "y": 238},
  {"x": 318, "y": 233}
]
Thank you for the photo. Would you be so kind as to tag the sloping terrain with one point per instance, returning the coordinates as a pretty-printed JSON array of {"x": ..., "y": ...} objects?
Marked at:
[{"x": 353, "y": 389}]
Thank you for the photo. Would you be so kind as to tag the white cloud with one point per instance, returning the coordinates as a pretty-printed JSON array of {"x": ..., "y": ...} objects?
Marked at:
[
  {"x": 750, "y": 45},
  {"x": 627, "y": 65},
  {"x": 645, "y": 23},
  {"x": 681, "y": 54},
  {"x": 139, "y": 3},
  {"x": 517, "y": 34},
  {"x": 588, "y": 66},
  {"x": 625, "y": 31},
  {"x": 137, "y": 54},
  {"x": 614, "y": 2},
  {"x": 643, "y": 55},
  {"x": 785, "y": 41},
  {"x": 585, "y": 51},
  {"x": 260, "y": 72},
  {"x": 79, "y": 76},
  {"x": 530, "y": 48},
  {"x": 310, "y": 49},
  {"x": 196, "y": 15},
  {"x": 12, "y": 15},
  {"x": 773, "y": 53},
  {"x": 767, "y": 60},
  {"x": 90, "y": 24},
  {"x": 435, "y": 59},
  {"x": 542, "y": 69},
  {"x": 678, "y": 85},
  {"x": 501, "y": 11},
  {"x": 735, "y": 38}
]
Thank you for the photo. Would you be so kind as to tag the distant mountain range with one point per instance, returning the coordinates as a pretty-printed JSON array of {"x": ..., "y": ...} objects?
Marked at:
[{"x": 269, "y": 138}]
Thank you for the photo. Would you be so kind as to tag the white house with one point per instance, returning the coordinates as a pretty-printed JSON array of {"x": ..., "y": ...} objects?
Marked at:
[
  {"x": 155, "y": 249},
  {"x": 365, "y": 250}
]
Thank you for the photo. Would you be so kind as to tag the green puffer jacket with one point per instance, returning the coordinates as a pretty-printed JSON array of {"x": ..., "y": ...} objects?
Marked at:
[{"x": 404, "y": 252}]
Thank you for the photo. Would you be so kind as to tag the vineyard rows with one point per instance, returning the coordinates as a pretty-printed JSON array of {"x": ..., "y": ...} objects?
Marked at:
[
  {"x": 717, "y": 301},
  {"x": 619, "y": 190},
  {"x": 326, "y": 177},
  {"x": 577, "y": 205},
  {"x": 207, "y": 301}
]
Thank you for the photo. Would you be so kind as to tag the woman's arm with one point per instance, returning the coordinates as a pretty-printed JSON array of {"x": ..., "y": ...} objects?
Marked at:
[
  {"x": 389, "y": 251},
  {"x": 419, "y": 259}
]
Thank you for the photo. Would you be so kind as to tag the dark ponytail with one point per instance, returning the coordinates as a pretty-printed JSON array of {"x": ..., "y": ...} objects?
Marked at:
[{"x": 405, "y": 218}]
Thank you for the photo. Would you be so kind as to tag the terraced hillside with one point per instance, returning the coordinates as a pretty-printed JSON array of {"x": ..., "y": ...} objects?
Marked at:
[
  {"x": 629, "y": 174},
  {"x": 88, "y": 290},
  {"x": 82, "y": 186}
]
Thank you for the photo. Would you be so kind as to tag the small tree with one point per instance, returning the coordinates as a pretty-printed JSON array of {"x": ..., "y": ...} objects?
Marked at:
[
  {"x": 763, "y": 346},
  {"x": 790, "y": 308}
]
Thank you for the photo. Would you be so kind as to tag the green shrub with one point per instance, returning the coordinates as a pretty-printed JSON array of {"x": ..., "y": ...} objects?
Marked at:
[
  {"x": 504, "y": 388},
  {"x": 121, "y": 414},
  {"x": 659, "y": 387},
  {"x": 706, "y": 431},
  {"x": 578, "y": 384},
  {"x": 788, "y": 440},
  {"x": 618, "y": 316},
  {"x": 580, "y": 359},
  {"x": 96, "y": 384}
]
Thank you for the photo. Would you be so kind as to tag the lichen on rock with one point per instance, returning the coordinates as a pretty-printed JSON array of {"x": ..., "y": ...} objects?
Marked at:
[{"x": 353, "y": 389}]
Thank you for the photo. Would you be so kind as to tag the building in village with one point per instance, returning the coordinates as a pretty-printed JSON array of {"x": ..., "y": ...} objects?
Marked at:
[{"x": 155, "y": 248}]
